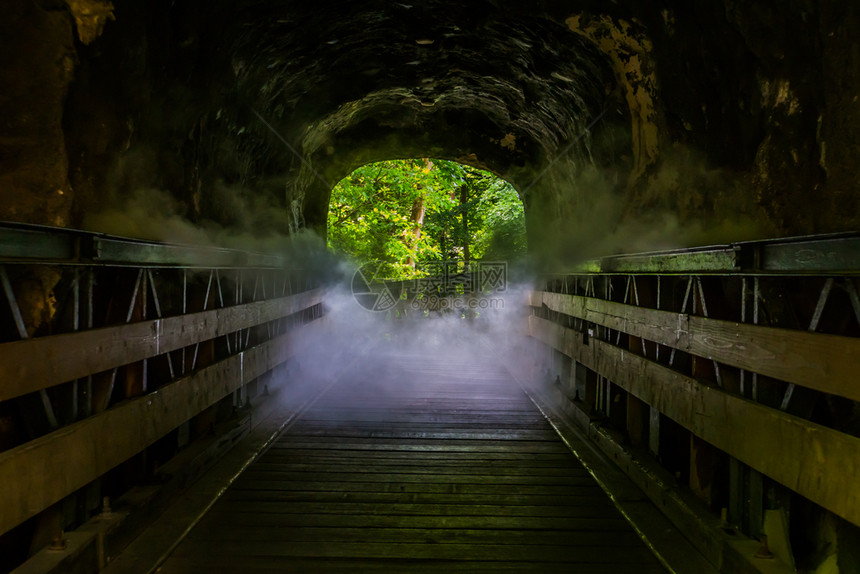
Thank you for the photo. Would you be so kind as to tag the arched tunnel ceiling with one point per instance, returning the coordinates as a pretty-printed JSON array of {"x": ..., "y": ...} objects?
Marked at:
[
  {"x": 428, "y": 66},
  {"x": 709, "y": 113},
  {"x": 503, "y": 90}
]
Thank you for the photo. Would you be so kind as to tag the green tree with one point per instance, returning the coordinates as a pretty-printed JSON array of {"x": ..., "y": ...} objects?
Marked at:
[{"x": 405, "y": 212}]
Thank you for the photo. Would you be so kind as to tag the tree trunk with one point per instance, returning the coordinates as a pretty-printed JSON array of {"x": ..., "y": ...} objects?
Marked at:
[
  {"x": 464, "y": 210},
  {"x": 417, "y": 218}
]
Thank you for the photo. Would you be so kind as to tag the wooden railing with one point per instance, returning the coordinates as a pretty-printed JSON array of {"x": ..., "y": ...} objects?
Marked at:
[
  {"x": 753, "y": 349},
  {"x": 145, "y": 337}
]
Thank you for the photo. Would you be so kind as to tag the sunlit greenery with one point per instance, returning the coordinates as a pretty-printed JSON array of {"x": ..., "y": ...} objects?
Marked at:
[{"x": 407, "y": 212}]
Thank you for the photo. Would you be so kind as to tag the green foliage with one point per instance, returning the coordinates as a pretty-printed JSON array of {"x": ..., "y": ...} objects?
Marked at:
[{"x": 405, "y": 212}]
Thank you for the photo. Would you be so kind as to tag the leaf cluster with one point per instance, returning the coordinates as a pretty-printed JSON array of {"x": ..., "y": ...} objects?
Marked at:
[{"x": 405, "y": 212}]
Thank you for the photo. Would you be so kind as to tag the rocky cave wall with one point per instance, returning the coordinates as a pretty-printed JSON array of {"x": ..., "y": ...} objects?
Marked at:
[{"x": 718, "y": 120}]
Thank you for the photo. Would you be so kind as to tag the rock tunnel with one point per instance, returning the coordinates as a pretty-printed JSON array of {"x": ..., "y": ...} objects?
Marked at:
[
  {"x": 713, "y": 113},
  {"x": 624, "y": 126}
]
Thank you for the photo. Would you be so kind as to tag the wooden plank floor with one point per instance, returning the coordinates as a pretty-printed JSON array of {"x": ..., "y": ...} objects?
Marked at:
[{"x": 416, "y": 465}]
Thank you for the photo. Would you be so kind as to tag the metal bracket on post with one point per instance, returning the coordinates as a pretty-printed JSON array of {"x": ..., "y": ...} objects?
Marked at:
[
  {"x": 682, "y": 312},
  {"x": 159, "y": 315},
  {"x": 205, "y": 305},
  {"x": 813, "y": 325},
  {"x": 705, "y": 313}
]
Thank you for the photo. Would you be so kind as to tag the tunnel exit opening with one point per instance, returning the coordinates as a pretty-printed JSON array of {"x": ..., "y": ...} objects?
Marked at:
[{"x": 417, "y": 217}]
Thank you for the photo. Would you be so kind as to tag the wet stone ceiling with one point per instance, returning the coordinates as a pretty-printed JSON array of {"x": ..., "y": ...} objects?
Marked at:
[
  {"x": 360, "y": 82},
  {"x": 694, "y": 114}
]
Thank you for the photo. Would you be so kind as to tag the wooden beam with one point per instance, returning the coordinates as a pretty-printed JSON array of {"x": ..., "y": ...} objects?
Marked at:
[
  {"x": 43, "y": 471},
  {"x": 815, "y": 461},
  {"x": 818, "y": 255},
  {"x": 713, "y": 259},
  {"x": 659, "y": 326},
  {"x": 34, "y": 364},
  {"x": 817, "y": 361},
  {"x": 137, "y": 253}
]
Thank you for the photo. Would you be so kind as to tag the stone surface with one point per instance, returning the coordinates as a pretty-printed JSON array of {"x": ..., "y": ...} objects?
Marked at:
[
  {"x": 714, "y": 111},
  {"x": 716, "y": 121},
  {"x": 37, "y": 61}
]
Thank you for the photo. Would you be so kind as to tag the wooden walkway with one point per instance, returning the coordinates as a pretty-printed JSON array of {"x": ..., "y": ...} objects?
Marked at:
[{"x": 416, "y": 466}]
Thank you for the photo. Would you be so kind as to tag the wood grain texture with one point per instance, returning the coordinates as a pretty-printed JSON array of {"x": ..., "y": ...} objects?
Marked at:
[
  {"x": 43, "y": 471},
  {"x": 817, "y": 462},
  {"x": 827, "y": 363},
  {"x": 34, "y": 364},
  {"x": 422, "y": 466}
]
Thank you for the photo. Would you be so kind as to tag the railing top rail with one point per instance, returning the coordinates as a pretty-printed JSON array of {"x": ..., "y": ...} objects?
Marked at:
[
  {"x": 831, "y": 254},
  {"x": 26, "y": 243}
]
